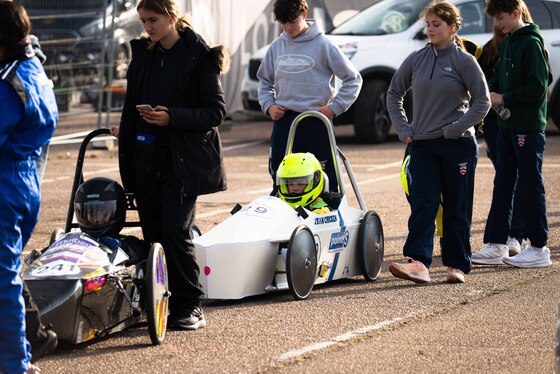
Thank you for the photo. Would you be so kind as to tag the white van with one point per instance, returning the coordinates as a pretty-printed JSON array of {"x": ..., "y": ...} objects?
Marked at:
[{"x": 380, "y": 37}]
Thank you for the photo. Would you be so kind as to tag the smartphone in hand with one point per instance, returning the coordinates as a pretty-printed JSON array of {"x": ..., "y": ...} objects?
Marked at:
[{"x": 144, "y": 108}]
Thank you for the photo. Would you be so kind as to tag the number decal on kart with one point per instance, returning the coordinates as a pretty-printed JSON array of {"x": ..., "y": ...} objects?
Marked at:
[
  {"x": 258, "y": 210},
  {"x": 56, "y": 268}
]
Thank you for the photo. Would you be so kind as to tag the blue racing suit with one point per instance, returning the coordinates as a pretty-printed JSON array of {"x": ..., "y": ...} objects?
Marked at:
[{"x": 28, "y": 118}]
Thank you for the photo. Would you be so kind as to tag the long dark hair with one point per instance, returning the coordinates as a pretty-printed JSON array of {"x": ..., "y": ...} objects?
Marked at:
[
  {"x": 14, "y": 24},
  {"x": 448, "y": 13}
]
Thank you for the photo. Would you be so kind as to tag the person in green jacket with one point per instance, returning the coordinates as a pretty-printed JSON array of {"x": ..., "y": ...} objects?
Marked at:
[{"x": 520, "y": 83}]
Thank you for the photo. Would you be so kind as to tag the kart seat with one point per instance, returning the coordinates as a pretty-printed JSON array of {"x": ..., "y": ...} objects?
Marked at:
[{"x": 331, "y": 198}]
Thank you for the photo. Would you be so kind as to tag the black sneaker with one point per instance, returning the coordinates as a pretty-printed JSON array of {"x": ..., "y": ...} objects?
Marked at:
[
  {"x": 44, "y": 346},
  {"x": 187, "y": 319}
]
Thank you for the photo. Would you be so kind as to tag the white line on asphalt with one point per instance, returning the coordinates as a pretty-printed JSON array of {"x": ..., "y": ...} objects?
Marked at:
[
  {"x": 213, "y": 213},
  {"x": 259, "y": 191},
  {"x": 100, "y": 171},
  {"x": 368, "y": 181},
  {"x": 386, "y": 166},
  {"x": 243, "y": 145},
  {"x": 341, "y": 338}
]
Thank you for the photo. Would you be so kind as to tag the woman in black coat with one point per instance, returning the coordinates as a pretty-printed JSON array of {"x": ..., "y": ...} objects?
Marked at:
[{"x": 169, "y": 146}]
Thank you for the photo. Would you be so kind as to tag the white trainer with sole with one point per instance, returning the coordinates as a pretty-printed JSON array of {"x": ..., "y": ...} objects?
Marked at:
[
  {"x": 531, "y": 257},
  {"x": 491, "y": 254}
]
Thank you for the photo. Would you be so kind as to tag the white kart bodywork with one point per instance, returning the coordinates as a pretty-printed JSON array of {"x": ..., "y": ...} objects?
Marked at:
[
  {"x": 248, "y": 253},
  {"x": 243, "y": 255}
]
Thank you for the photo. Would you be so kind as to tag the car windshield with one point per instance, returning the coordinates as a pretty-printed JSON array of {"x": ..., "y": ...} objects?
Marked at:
[
  {"x": 65, "y": 4},
  {"x": 385, "y": 17}
]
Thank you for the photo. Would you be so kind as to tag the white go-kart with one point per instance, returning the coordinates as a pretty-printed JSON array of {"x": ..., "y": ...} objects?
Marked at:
[{"x": 268, "y": 246}]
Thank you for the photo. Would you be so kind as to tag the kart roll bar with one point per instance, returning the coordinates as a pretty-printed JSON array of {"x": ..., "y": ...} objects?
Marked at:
[
  {"x": 79, "y": 179},
  {"x": 336, "y": 153}
]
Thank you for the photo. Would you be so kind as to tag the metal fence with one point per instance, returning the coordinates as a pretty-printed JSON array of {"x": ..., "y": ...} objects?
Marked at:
[{"x": 87, "y": 47}]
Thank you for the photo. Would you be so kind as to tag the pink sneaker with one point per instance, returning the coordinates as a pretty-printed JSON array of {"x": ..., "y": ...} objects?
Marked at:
[
  {"x": 411, "y": 270},
  {"x": 455, "y": 276}
]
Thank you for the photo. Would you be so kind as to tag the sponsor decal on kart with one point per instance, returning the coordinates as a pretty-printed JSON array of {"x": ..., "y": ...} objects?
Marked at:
[
  {"x": 73, "y": 239},
  {"x": 339, "y": 240},
  {"x": 325, "y": 220},
  {"x": 56, "y": 268}
]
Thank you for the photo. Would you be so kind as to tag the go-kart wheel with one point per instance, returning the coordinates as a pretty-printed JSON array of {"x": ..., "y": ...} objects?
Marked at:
[
  {"x": 370, "y": 246},
  {"x": 301, "y": 263},
  {"x": 157, "y": 293},
  {"x": 56, "y": 234},
  {"x": 195, "y": 232}
]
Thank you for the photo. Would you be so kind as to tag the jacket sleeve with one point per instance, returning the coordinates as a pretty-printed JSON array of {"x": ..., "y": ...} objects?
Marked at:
[
  {"x": 210, "y": 110},
  {"x": 265, "y": 75},
  {"x": 536, "y": 73},
  {"x": 350, "y": 77},
  {"x": 400, "y": 84},
  {"x": 474, "y": 81}
]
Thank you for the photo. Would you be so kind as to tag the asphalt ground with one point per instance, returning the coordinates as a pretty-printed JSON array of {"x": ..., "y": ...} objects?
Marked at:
[{"x": 503, "y": 319}]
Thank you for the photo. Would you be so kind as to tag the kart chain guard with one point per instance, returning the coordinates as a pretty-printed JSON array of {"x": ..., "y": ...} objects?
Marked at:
[{"x": 301, "y": 263}]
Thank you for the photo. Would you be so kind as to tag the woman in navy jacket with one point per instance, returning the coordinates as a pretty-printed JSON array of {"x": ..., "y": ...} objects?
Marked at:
[{"x": 171, "y": 153}]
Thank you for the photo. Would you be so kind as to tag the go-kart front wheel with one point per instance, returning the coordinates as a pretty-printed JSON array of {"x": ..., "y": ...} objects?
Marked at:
[
  {"x": 370, "y": 246},
  {"x": 157, "y": 294},
  {"x": 301, "y": 263}
]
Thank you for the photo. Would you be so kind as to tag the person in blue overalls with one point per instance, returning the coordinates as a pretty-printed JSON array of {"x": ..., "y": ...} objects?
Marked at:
[{"x": 29, "y": 117}]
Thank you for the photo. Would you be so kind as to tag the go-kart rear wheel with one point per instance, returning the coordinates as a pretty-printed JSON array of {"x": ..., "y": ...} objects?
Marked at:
[
  {"x": 370, "y": 246},
  {"x": 56, "y": 234},
  {"x": 301, "y": 263},
  {"x": 157, "y": 293}
]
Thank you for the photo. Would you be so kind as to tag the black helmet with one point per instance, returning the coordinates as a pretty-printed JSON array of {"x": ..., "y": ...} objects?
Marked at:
[{"x": 100, "y": 207}]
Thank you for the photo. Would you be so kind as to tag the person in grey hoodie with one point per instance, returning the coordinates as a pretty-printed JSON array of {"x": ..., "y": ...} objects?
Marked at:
[
  {"x": 298, "y": 74},
  {"x": 449, "y": 96}
]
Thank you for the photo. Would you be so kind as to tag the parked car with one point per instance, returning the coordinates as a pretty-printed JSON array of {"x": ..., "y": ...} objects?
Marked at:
[
  {"x": 378, "y": 39},
  {"x": 81, "y": 41}
]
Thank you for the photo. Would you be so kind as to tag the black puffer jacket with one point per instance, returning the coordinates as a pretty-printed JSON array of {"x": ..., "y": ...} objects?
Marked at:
[{"x": 198, "y": 108}]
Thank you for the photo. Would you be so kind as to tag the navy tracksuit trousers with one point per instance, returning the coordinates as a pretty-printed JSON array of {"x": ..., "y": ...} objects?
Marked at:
[
  {"x": 519, "y": 159},
  {"x": 446, "y": 167},
  {"x": 517, "y": 229}
]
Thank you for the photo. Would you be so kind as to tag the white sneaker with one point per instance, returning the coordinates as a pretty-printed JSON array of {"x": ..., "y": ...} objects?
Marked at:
[
  {"x": 491, "y": 254},
  {"x": 514, "y": 246},
  {"x": 531, "y": 257}
]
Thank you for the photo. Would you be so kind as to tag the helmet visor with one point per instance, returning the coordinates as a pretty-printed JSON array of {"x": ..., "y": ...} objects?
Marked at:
[
  {"x": 95, "y": 213},
  {"x": 296, "y": 186}
]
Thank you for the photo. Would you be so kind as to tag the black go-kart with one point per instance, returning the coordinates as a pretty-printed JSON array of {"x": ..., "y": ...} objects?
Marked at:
[{"x": 85, "y": 290}]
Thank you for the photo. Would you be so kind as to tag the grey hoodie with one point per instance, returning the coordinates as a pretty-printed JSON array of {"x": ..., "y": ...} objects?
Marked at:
[
  {"x": 299, "y": 74},
  {"x": 443, "y": 82}
]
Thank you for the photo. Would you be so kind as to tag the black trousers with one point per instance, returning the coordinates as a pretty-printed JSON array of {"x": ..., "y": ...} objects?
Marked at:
[
  {"x": 34, "y": 331},
  {"x": 166, "y": 218}
]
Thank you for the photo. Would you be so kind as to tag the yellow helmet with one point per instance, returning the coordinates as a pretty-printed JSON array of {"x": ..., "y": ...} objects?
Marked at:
[{"x": 300, "y": 179}]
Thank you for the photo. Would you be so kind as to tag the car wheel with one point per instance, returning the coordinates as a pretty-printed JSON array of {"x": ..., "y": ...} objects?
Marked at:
[
  {"x": 157, "y": 294},
  {"x": 301, "y": 263},
  {"x": 370, "y": 246},
  {"x": 371, "y": 119},
  {"x": 555, "y": 115}
]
